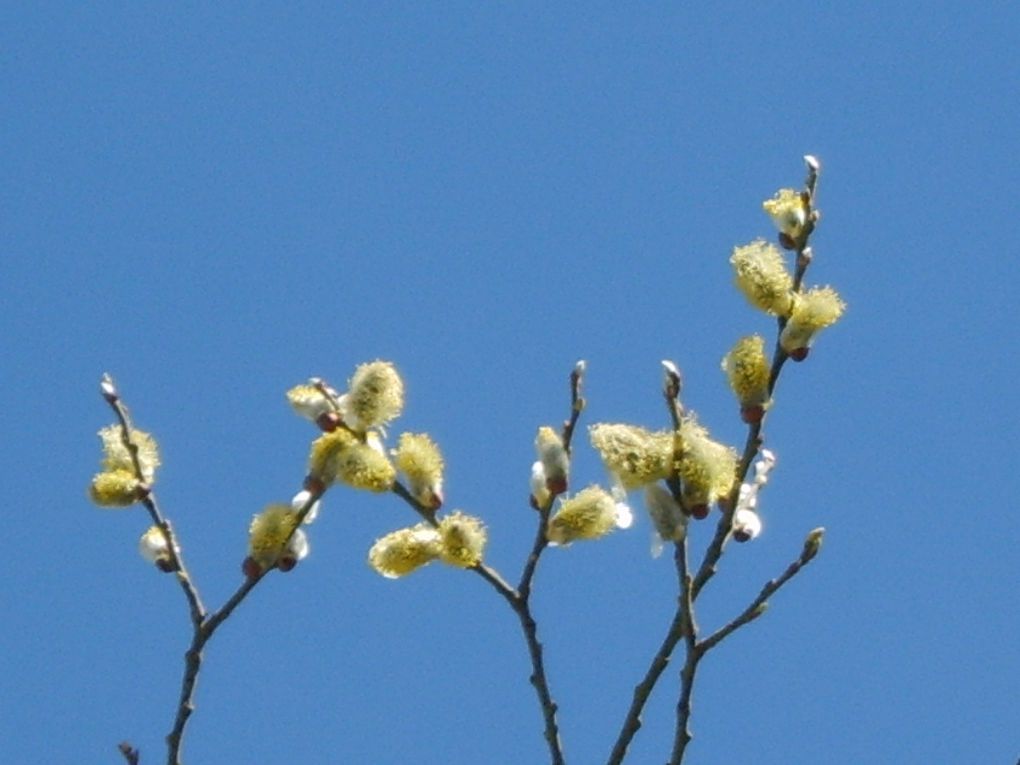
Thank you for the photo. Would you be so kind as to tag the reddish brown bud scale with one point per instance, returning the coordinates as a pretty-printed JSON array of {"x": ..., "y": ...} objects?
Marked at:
[
  {"x": 556, "y": 485},
  {"x": 741, "y": 535},
  {"x": 699, "y": 511},
  {"x": 286, "y": 563},
  {"x": 165, "y": 565},
  {"x": 314, "y": 485},
  {"x": 786, "y": 241},
  {"x": 328, "y": 421},
  {"x": 799, "y": 354},
  {"x": 752, "y": 413},
  {"x": 250, "y": 568}
]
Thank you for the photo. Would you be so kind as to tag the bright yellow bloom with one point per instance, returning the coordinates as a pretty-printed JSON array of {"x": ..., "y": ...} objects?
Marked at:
[
  {"x": 269, "y": 533},
  {"x": 115, "y": 488},
  {"x": 788, "y": 211},
  {"x": 707, "y": 468},
  {"x": 762, "y": 276},
  {"x": 635, "y": 456},
  {"x": 554, "y": 458},
  {"x": 462, "y": 540},
  {"x": 308, "y": 401},
  {"x": 401, "y": 552},
  {"x": 589, "y": 514},
  {"x": 813, "y": 310},
  {"x": 418, "y": 457},
  {"x": 117, "y": 457},
  {"x": 747, "y": 370},
  {"x": 341, "y": 455},
  {"x": 376, "y": 396}
]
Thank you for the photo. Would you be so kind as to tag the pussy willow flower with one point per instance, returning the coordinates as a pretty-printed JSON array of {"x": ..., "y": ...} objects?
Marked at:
[
  {"x": 418, "y": 458},
  {"x": 540, "y": 495},
  {"x": 554, "y": 458},
  {"x": 669, "y": 521},
  {"x": 762, "y": 276},
  {"x": 788, "y": 211},
  {"x": 633, "y": 455},
  {"x": 117, "y": 457},
  {"x": 706, "y": 467},
  {"x": 115, "y": 488},
  {"x": 746, "y": 520},
  {"x": 590, "y": 514},
  {"x": 405, "y": 550},
  {"x": 462, "y": 540},
  {"x": 309, "y": 402},
  {"x": 747, "y": 371},
  {"x": 300, "y": 500},
  {"x": 269, "y": 534},
  {"x": 813, "y": 311},
  {"x": 342, "y": 456},
  {"x": 154, "y": 548},
  {"x": 746, "y": 525},
  {"x": 375, "y": 396}
]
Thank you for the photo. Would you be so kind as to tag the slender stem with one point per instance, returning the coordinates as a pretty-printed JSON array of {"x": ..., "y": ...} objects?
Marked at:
[
  {"x": 195, "y": 608},
  {"x": 203, "y": 632},
  {"x": 758, "y": 606},
  {"x": 683, "y": 707},
  {"x": 130, "y": 754},
  {"x": 682, "y": 627}
]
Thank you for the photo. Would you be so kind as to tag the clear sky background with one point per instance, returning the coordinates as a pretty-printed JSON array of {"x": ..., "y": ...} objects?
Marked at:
[{"x": 215, "y": 202}]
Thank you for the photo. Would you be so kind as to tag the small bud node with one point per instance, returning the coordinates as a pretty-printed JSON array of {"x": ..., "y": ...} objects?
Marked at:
[
  {"x": 250, "y": 568},
  {"x": 699, "y": 511},
  {"x": 314, "y": 485},
  {"x": 752, "y": 413},
  {"x": 328, "y": 421}
]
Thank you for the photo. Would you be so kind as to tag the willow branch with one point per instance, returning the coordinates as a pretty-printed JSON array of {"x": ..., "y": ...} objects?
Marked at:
[
  {"x": 758, "y": 606},
  {"x": 203, "y": 632},
  {"x": 130, "y": 754},
  {"x": 195, "y": 608},
  {"x": 682, "y": 626}
]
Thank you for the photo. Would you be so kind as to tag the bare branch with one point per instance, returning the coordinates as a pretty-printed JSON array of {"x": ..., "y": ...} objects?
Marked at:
[
  {"x": 195, "y": 607},
  {"x": 758, "y": 606},
  {"x": 131, "y": 755}
]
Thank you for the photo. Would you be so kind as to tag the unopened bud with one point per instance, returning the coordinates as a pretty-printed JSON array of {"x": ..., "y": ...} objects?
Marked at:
[
  {"x": 250, "y": 568},
  {"x": 328, "y": 421},
  {"x": 812, "y": 544},
  {"x": 314, "y": 484},
  {"x": 814, "y": 165},
  {"x": 752, "y": 413},
  {"x": 799, "y": 354},
  {"x": 107, "y": 388}
]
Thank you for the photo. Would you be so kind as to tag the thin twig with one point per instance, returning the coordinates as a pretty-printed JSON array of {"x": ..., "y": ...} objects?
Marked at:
[
  {"x": 696, "y": 650},
  {"x": 130, "y": 754},
  {"x": 195, "y": 608},
  {"x": 757, "y": 606},
  {"x": 690, "y": 587},
  {"x": 203, "y": 632},
  {"x": 682, "y": 625}
]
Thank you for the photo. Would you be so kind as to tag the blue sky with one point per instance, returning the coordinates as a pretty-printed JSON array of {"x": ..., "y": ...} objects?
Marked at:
[{"x": 215, "y": 202}]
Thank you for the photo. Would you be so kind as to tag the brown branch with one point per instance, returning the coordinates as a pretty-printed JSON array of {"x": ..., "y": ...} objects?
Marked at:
[
  {"x": 195, "y": 608},
  {"x": 682, "y": 627},
  {"x": 130, "y": 754},
  {"x": 757, "y": 606},
  {"x": 203, "y": 632},
  {"x": 696, "y": 649}
]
